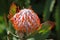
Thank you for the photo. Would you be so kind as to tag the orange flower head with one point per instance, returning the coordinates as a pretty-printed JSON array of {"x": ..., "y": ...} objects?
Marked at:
[{"x": 26, "y": 20}]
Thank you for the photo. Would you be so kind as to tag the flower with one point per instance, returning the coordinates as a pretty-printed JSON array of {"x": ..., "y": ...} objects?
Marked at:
[{"x": 26, "y": 20}]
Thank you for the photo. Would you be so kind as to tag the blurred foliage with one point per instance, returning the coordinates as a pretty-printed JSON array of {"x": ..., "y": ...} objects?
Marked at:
[
  {"x": 46, "y": 10},
  {"x": 57, "y": 18}
]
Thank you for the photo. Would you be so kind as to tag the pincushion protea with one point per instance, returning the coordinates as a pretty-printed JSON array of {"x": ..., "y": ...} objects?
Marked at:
[{"x": 26, "y": 20}]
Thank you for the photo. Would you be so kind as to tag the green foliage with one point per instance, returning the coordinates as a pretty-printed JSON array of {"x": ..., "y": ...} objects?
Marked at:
[
  {"x": 48, "y": 9},
  {"x": 23, "y": 3},
  {"x": 57, "y": 19}
]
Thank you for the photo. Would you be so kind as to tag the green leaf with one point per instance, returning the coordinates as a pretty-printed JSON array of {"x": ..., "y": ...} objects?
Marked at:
[
  {"x": 47, "y": 9},
  {"x": 57, "y": 19}
]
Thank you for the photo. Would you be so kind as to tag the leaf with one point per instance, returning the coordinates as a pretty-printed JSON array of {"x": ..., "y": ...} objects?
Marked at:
[
  {"x": 13, "y": 8},
  {"x": 47, "y": 10},
  {"x": 57, "y": 19},
  {"x": 46, "y": 26}
]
